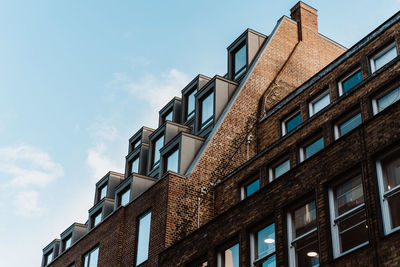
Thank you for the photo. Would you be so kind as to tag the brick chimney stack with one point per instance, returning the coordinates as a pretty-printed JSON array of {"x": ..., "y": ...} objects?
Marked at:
[{"x": 307, "y": 19}]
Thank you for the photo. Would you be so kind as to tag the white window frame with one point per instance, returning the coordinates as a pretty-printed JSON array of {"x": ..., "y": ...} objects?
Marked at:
[
  {"x": 340, "y": 82},
  {"x": 379, "y": 54},
  {"x": 334, "y": 225},
  {"x": 253, "y": 240},
  {"x": 271, "y": 170},
  {"x": 336, "y": 127},
  {"x": 243, "y": 188},
  {"x": 381, "y": 95},
  {"x": 302, "y": 150},
  {"x": 316, "y": 99},
  {"x": 383, "y": 197},
  {"x": 288, "y": 118}
]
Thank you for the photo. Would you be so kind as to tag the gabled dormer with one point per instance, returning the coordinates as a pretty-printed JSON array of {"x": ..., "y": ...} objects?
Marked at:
[
  {"x": 242, "y": 52},
  {"x": 189, "y": 100},
  {"x": 105, "y": 188},
  {"x": 50, "y": 252},
  {"x": 136, "y": 160},
  {"x": 71, "y": 235},
  {"x": 171, "y": 111},
  {"x": 210, "y": 102}
]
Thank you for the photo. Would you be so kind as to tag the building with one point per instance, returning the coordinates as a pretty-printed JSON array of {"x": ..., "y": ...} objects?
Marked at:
[{"x": 290, "y": 159}]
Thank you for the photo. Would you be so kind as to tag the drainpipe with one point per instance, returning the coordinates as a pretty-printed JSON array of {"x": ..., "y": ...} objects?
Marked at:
[{"x": 249, "y": 139}]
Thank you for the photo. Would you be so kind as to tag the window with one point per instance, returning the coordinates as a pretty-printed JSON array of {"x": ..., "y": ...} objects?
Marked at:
[
  {"x": 349, "y": 81},
  {"x": 262, "y": 247},
  {"x": 279, "y": 169},
  {"x": 125, "y": 196},
  {"x": 134, "y": 165},
  {"x": 48, "y": 257},
  {"x": 343, "y": 127},
  {"x": 158, "y": 144},
  {"x": 290, "y": 123},
  {"x": 91, "y": 258},
  {"x": 136, "y": 144},
  {"x": 383, "y": 57},
  {"x": 312, "y": 148},
  {"x": 388, "y": 173},
  {"x": 96, "y": 218},
  {"x": 319, "y": 103},
  {"x": 303, "y": 236},
  {"x": 190, "y": 104},
  {"x": 173, "y": 161},
  {"x": 67, "y": 242},
  {"x": 143, "y": 238},
  {"x": 348, "y": 218},
  {"x": 250, "y": 188},
  {"x": 385, "y": 99},
  {"x": 229, "y": 257},
  {"x": 168, "y": 116},
  {"x": 207, "y": 110},
  {"x": 239, "y": 61},
  {"x": 102, "y": 192}
]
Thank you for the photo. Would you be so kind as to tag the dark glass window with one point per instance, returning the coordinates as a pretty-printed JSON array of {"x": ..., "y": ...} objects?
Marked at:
[
  {"x": 207, "y": 110},
  {"x": 281, "y": 168},
  {"x": 67, "y": 242},
  {"x": 291, "y": 123},
  {"x": 319, "y": 103},
  {"x": 135, "y": 165},
  {"x": 168, "y": 116},
  {"x": 348, "y": 83},
  {"x": 158, "y": 144},
  {"x": 387, "y": 99},
  {"x": 96, "y": 219},
  {"x": 252, "y": 188},
  {"x": 136, "y": 144},
  {"x": 91, "y": 258},
  {"x": 230, "y": 257},
  {"x": 103, "y": 192},
  {"x": 391, "y": 188},
  {"x": 239, "y": 61},
  {"x": 265, "y": 246},
  {"x": 48, "y": 257},
  {"x": 125, "y": 196},
  {"x": 350, "y": 124},
  {"x": 190, "y": 105},
  {"x": 143, "y": 238},
  {"x": 383, "y": 57},
  {"x": 313, "y": 148},
  {"x": 173, "y": 161}
]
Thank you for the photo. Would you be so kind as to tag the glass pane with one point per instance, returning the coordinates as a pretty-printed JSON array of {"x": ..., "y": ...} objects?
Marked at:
[
  {"x": 136, "y": 144},
  {"x": 321, "y": 103},
  {"x": 281, "y": 168},
  {"x": 143, "y": 238},
  {"x": 86, "y": 260},
  {"x": 94, "y": 256},
  {"x": 96, "y": 219},
  {"x": 135, "y": 166},
  {"x": 388, "y": 99},
  {"x": 305, "y": 219},
  {"x": 232, "y": 256},
  {"x": 191, "y": 104},
  {"x": 240, "y": 61},
  {"x": 353, "y": 231},
  {"x": 157, "y": 146},
  {"x": 293, "y": 123},
  {"x": 271, "y": 262},
  {"x": 207, "y": 109},
  {"x": 103, "y": 192},
  {"x": 168, "y": 117},
  {"x": 68, "y": 242},
  {"x": 253, "y": 187},
  {"x": 49, "y": 257},
  {"x": 352, "y": 81},
  {"x": 391, "y": 172},
  {"x": 307, "y": 251},
  {"x": 266, "y": 241},
  {"x": 125, "y": 197},
  {"x": 348, "y": 195},
  {"x": 385, "y": 58},
  {"x": 350, "y": 124},
  {"x": 314, "y": 147},
  {"x": 173, "y": 161},
  {"x": 394, "y": 209}
]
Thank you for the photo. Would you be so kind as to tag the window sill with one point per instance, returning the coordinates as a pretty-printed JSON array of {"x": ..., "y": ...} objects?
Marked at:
[{"x": 359, "y": 247}]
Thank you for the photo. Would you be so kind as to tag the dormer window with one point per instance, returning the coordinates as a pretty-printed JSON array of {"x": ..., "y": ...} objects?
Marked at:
[
  {"x": 168, "y": 116},
  {"x": 48, "y": 258},
  {"x": 239, "y": 61},
  {"x": 124, "y": 197},
  {"x": 134, "y": 166},
  {"x": 136, "y": 144},
  {"x": 158, "y": 144},
  {"x": 190, "y": 109},
  {"x": 67, "y": 242},
  {"x": 173, "y": 161},
  {"x": 102, "y": 192},
  {"x": 96, "y": 219},
  {"x": 207, "y": 110}
]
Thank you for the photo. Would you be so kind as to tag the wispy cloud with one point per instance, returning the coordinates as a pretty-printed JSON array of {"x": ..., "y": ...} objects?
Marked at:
[
  {"x": 27, "y": 165},
  {"x": 156, "y": 90},
  {"x": 26, "y": 204},
  {"x": 98, "y": 161},
  {"x": 103, "y": 130}
]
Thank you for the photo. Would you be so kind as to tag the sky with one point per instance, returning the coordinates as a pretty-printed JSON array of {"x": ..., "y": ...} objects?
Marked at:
[{"x": 79, "y": 78}]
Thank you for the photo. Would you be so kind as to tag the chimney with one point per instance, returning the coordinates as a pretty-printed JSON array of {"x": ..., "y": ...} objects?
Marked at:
[{"x": 307, "y": 20}]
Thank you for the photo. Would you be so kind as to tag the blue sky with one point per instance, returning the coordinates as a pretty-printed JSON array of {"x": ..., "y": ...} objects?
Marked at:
[{"x": 78, "y": 78}]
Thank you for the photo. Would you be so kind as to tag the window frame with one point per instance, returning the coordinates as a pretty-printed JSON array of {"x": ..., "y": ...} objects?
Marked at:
[
  {"x": 236, "y": 75},
  {"x": 100, "y": 189},
  {"x": 302, "y": 149},
  {"x": 317, "y": 98},
  {"x": 46, "y": 257},
  {"x": 352, "y": 114},
  {"x": 190, "y": 115},
  {"x": 381, "y": 52},
  {"x": 130, "y": 166},
  {"x": 94, "y": 216},
  {"x": 122, "y": 192},
  {"x": 135, "y": 144},
  {"x": 210, "y": 120},
  {"x": 272, "y": 168},
  {"x": 171, "y": 151},
  {"x": 336, "y": 243},
  {"x": 383, "y": 196},
  {"x": 287, "y": 118},
  {"x": 155, "y": 165},
  {"x": 382, "y": 93},
  {"x": 225, "y": 247},
  {"x": 89, "y": 253},
  {"x": 143, "y": 215},
  {"x": 254, "y": 261},
  {"x": 64, "y": 242},
  {"x": 250, "y": 180},
  {"x": 345, "y": 78}
]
